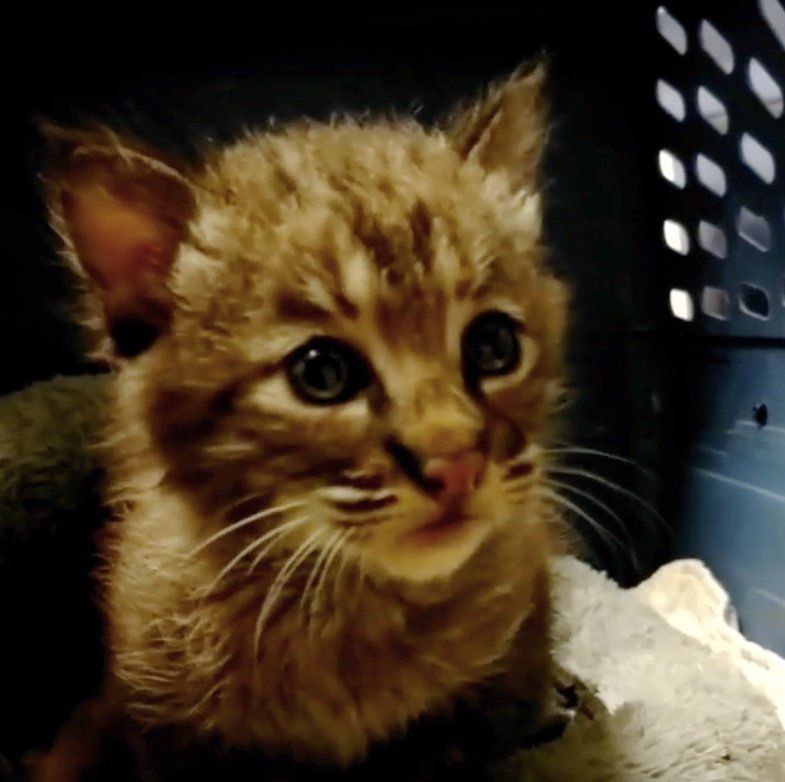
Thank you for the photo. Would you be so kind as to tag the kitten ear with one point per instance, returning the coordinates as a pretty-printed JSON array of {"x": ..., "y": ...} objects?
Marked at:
[
  {"x": 121, "y": 211},
  {"x": 505, "y": 130}
]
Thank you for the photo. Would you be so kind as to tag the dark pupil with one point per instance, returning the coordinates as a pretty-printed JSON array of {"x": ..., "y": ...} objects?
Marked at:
[
  {"x": 322, "y": 373},
  {"x": 493, "y": 347}
]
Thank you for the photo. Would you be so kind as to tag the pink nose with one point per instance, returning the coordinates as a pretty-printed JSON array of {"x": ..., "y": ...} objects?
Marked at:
[{"x": 454, "y": 477}]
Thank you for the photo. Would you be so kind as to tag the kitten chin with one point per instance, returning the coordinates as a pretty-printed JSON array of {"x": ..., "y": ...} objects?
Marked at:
[
  {"x": 440, "y": 543},
  {"x": 429, "y": 552},
  {"x": 337, "y": 352}
]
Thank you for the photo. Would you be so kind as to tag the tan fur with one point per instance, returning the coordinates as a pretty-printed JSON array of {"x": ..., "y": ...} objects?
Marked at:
[{"x": 392, "y": 238}]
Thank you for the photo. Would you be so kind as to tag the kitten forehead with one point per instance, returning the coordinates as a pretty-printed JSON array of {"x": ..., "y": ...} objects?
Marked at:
[{"x": 377, "y": 221}]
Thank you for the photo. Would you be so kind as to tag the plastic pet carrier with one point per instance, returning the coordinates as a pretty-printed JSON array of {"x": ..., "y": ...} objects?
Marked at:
[
  {"x": 720, "y": 74},
  {"x": 665, "y": 209}
]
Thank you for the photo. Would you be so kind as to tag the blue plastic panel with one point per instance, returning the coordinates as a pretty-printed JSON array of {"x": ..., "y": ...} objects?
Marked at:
[
  {"x": 719, "y": 87},
  {"x": 733, "y": 501}
]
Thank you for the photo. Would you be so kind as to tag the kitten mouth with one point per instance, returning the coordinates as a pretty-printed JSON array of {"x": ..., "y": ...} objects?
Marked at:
[{"x": 435, "y": 529}]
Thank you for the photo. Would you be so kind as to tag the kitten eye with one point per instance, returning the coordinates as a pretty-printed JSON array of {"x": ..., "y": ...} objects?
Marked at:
[
  {"x": 491, "y": 345},
  {"x": 325, "y": 371}
]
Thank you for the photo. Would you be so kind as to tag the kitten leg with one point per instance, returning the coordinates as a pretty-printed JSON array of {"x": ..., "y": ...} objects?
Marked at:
[{"x": 524, "y": 702}]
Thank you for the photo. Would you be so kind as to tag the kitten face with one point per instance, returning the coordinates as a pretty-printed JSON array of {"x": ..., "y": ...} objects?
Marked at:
[{"x": 354, "y": 325}]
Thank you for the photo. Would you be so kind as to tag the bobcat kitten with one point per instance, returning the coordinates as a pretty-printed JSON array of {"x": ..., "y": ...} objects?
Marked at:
[{"x": 336, "y": 354}]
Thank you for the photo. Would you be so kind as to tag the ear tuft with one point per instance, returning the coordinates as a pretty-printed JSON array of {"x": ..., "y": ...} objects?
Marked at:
[{"x": 506, "y": 129}]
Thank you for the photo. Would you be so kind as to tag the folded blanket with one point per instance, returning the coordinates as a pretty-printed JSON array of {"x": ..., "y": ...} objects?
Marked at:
[{"x": 666, "y": 689}]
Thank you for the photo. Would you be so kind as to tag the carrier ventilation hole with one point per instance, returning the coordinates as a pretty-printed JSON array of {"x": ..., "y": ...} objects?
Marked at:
[
  {"x": 681, "y": 303},
  {"x": 754, "y": 229},
  {"x": 774, "y": 14},
  {"x": 711, "y": 175},
  {"x": 765, "y": 88},
  {"x": 716, "y": 45},
  {"x": 672, "y": 168},
  {"x": 760, "y": 414},
  {"x": 713, "y": 110},
  {"x": 754, "y": 301},
  {"x": 671, "y": 100},
  {"x": 672, "y": 30},
  {"x": 715, "y": 303},
  {"x": 676, "y": 237},
  {"x": 712, "y": 239},
  {"x": 757, "y": 158}
]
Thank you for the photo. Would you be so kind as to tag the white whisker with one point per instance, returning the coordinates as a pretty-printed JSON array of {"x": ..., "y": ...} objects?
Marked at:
[
  {"x": 280, "y": 582},
  {"x": 585, "y": 451},
  {"x": 342, "y": 565},
  {"x": 240, "y": 500},
  {"x": 271, "y": 535},
  {"x": 273, "y": 539},
  {"x": 318, "y": 594},
  {"x": 203, "y": 700},
  {"x": 581, "y": 493},
  {"x": 611, "y": 485},
  {"x": 615, "y": 516},
  {"x": 323, "y": 554},
  {"x": 603, "y": 533},
  {"x": 242, "y": 523},
  {"x": 360, "y": 578}
]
